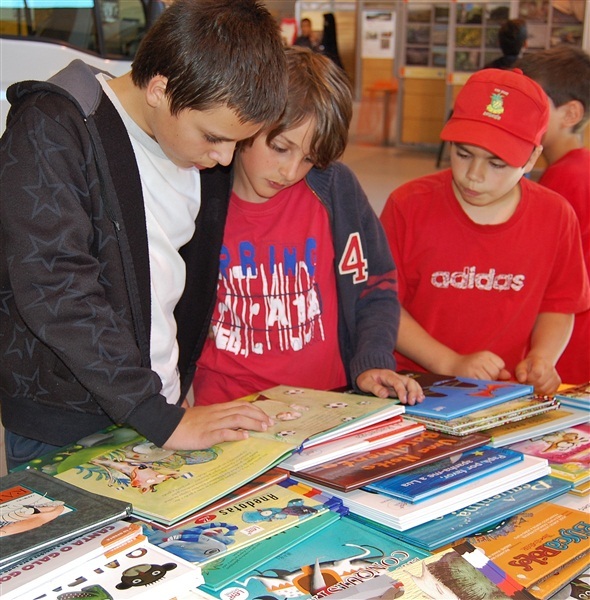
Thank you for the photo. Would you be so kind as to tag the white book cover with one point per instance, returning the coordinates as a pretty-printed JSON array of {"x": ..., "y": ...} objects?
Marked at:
[
  {"x": 142, "y": 572},
  {"x": 370, "y": 438},
  {"x": 49, "y": 564},
  {"x": 401, "y": 515}
]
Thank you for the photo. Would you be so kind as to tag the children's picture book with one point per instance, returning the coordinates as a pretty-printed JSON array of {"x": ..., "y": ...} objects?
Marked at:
[
  {"x": 444, "y": 475},
  {"x": 480, "y": 516},
  {"x": 459, "y": 573},
  {"x": 167, "y": 486},
  {"x": 537, "y": 542},
  {"x": 222, "y": 571},
  {"x": 361, "y": 469},
  {"x": 401, "y": 515},
  {"x": 375, "y": 436},
  {"x": 548, "y": 588},
  {"x": 44, "y": 566},
  {"x": 450, "y": 397},
  {"x": 142, "y": 571},
  {"x": 507, "y": 412},
  {"x": 576, "y": 396},
  {"x": 257, "y": 485},
  {"x": 249, "y": 520},
  {"x": 567, "y": 450},
  {"x": 537, "y": 425},
  {"x": 38, "y": 511},
  {"x": 337, "y": 558},
  {"x": 577, "y": 589}
]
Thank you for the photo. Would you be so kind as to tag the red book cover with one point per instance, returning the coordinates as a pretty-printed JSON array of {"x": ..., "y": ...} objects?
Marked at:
[{"x": 358, "y": 470}]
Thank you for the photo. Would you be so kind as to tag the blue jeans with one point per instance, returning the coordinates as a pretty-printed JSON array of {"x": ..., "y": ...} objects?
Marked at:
[{"x": 20, "y": 450}]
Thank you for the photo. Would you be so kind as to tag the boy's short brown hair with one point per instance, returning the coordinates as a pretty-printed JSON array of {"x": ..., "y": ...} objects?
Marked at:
[
  {"x": 319, "y": 89},
  {"x": 564, "y": 73},
  {"x": 216, "y": 52}
]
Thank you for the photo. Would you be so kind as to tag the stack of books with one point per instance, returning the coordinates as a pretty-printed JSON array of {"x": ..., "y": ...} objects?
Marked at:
[
  {"x": 346, "y": 496},
  {"x": 568, "y": 454},
  {"x": 61, "y": 542}
]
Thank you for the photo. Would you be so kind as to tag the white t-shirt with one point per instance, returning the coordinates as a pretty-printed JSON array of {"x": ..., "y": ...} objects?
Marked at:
[{"x": 172, "y": 198}]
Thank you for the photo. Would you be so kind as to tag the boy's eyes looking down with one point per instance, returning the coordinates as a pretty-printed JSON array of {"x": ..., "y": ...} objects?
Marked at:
[{"x": 463, "y": 153}]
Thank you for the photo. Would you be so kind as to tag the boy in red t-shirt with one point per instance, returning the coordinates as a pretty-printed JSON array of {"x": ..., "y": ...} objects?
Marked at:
[
  {"x": 306, "y": 294},
  {"x": 490, "y": 264},
  {"x": 564, "y": 73}
]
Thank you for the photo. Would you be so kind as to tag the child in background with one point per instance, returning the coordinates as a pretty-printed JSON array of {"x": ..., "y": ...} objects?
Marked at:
[
  {"x": 307, "y": 287},
  {"x": 564, "y": 73},
  {"x": 490, "y": 264}
]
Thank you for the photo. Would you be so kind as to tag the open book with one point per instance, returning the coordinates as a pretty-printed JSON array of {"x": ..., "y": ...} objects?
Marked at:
[{"x": 166, "y": 486}]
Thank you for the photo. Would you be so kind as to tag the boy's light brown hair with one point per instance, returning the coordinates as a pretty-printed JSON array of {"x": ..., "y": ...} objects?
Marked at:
[
  {"x": 564, "y": 73},
  {"x": 319, "y": 89}
]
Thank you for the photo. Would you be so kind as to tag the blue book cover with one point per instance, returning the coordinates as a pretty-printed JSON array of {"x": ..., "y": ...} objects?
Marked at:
[
  {"x": 443, "y": 475},
  {"x": 449, "y": 397},
  {"x": 338, "y": 558},
  {"x": 480, "y": 516}
]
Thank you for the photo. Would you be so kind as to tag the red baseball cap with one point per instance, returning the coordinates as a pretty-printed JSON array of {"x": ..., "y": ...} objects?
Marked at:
[{"x": 503, "y": 111}]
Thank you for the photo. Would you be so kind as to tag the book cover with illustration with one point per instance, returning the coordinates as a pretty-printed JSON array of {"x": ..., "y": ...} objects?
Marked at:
[
  {"x": 450, "y": 397},
  {"x": 549, "y": 588},
  {"x": 567, "y": 450},
  {"x": 507, "y": 412},
  {"x": 402, "y": 515},
  {"x": 166, "y": 486},
  {"x": 255, "y": 486},
  {"x": 460, "y": 573},
  {"x": 142, "y": 571},
  {"x": 337, "y": 558},
  {"x": 222, "y": 571},
  {"x": 38, "y": 511},
  {"x": 246, "y": 522},
  {"x": 446, "y": 474},
  {"x": 44, "y": 566},
  {"x": 480, "y": 516},
  {"x": 537, "y": 542},
  {"x": 361, "y": 469},
  {"x": 375, "y": 436},
  {"x": 535, "y": 426}
]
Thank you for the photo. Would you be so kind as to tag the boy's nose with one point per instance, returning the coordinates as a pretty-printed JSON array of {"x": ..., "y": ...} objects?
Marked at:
[
  {"x": 289, "y": 171},
  {"x": 223, "y": 153}
]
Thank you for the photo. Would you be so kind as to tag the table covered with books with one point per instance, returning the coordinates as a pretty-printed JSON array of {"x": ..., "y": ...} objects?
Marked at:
[{"x": 347, "y": 496}]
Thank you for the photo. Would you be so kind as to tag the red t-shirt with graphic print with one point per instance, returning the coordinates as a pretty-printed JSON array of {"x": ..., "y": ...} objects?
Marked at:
[{"x": 276, "y": 316}]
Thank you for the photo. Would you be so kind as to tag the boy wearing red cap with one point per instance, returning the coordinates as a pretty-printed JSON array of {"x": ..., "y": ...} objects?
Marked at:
[{"x": 490, "y": 264}]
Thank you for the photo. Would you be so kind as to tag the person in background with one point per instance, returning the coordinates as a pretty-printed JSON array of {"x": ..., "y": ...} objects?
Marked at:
[
  {"x": 490, "y": 263},
  {"x": 306, "y": 38},
  {"x": 512, "y": 39},
  {"x": 112, "y": 208},
  {"x": 329, "y": 45},
  {"x": 307, "y": 286},
  {"x": 564, "y": 73}
]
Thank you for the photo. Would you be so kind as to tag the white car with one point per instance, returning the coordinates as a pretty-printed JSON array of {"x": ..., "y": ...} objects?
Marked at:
[{"x": 40, "y": 37}]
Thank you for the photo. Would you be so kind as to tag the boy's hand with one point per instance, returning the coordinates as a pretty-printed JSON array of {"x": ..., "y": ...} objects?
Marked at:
[
  {"x": 479, "y": 365},
  {"x": 384, "y": 383},
  {"x": 538, "y": 372},
  {"x": 204, "y": 426}
]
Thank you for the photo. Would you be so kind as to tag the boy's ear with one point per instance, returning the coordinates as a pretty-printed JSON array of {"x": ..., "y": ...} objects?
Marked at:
[
  {"x": 532, "y": 161},
  {"x": 572, "y": 113},
  {"x": 155, "y": 90}
]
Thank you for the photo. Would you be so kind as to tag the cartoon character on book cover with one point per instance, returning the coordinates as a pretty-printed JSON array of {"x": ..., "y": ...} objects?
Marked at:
[
  {"x": 202, "y": 541},
  {"x": 144, "y": 466},
  {"x": 562, "y": 446},
  {"x": 28, "y": 513},
  {"x": 324, "y": 577}
]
